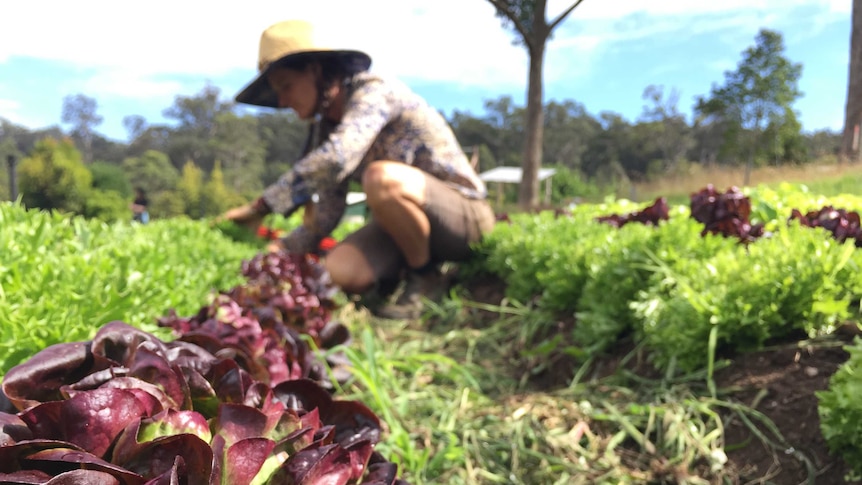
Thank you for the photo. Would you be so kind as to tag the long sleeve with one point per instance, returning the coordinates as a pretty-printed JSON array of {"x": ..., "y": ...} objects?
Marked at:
[
  {"x": 369, "y": 108},
  {"x": 287, "y": 195},
  {"x": 327, "y": 214},
  {"x": 383, "y": 121}
]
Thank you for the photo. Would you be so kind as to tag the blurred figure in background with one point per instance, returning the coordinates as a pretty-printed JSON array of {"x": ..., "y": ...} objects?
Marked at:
[{"x": 139, "y": 206}]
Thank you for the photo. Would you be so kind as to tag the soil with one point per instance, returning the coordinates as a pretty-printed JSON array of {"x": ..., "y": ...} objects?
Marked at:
[
  {"x": 782, "y": 382},
  {"x": 779, "y": 382}
]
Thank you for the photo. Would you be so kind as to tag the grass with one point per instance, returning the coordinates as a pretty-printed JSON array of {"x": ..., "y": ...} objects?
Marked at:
[
  {"x": 825, "y": 176},
  {"x": 458, "y": 393}
]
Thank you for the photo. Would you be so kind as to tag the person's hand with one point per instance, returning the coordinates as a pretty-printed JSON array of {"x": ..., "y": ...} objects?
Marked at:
[
  {"x": 275, "y": 246},
  {"x": 244, "y": 215}
]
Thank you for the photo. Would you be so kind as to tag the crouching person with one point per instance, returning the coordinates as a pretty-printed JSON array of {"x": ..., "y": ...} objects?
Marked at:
[{"x": 427, "y": 204}]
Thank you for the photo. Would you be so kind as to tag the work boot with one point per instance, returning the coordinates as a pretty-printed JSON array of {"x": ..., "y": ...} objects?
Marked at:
[
  {"x": 429, "y": 285},
  {"x": 378, "y": 296}
]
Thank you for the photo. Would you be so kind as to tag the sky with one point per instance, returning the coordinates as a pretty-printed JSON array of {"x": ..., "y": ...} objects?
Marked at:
[{"x": 136, "y": 58}]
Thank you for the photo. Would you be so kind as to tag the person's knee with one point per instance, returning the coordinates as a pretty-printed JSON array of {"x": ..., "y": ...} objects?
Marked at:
[
  {"x": 345, "y": 275},
  {"x": 378, "y": 183}
]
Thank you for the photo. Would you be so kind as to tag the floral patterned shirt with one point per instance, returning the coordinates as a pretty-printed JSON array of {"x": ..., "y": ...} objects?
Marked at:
[{"x": 383, "y": 120}]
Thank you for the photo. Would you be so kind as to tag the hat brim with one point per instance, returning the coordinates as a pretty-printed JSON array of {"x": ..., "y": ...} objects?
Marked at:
[{"x": 259, "y": 93}]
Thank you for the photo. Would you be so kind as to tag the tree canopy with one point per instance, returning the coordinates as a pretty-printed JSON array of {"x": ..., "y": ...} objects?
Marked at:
[
  {"x": 80, "y": 111},
  {"x": 759, "y": 94}
]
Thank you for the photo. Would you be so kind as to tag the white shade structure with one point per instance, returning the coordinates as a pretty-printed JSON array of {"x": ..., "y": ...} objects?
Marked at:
[{"x": 513, "y": 175}]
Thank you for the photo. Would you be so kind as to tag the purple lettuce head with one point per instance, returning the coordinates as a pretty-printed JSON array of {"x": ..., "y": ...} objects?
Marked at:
[{"x": 237, "y": 398}]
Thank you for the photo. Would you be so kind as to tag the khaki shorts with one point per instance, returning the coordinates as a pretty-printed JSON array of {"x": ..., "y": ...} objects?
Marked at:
[{"x": 456, "y": 222}]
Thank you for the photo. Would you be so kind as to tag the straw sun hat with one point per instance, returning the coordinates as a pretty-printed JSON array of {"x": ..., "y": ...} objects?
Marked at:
[{"x": 288, "y": 42}]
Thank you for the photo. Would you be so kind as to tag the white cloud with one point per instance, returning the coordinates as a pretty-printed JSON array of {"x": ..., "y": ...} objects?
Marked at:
[
  {"x": 621, "y": 8},
  {"x": 11, "y": 111},
  {"x": 9, "y": 108},
  {"x": 597, "y": 27},
  {"x": 129, "y": 83},
  {"x": 629, "y": 21},
  {"x": 138, "y": 49},
  {"x": 205, "y": 38}
]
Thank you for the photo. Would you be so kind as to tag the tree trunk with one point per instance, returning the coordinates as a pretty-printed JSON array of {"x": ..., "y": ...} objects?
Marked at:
[
  {"x": 88, "y": 147},
  {"x": 746, "y": 177},
  {"x": 528, "y": 194},
  {"x": 853, "y": 111}
]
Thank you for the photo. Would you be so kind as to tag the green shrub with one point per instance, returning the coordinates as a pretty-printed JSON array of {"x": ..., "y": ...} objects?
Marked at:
[
  {"x": 106, "y": 205},
  {"x": 110, "y": 177},
  {"x": 54, "y": 177},
  {"x": 153, "y": 171},
  {"x": 167, "y": 204},
  {"x": 216, "y": 197}
]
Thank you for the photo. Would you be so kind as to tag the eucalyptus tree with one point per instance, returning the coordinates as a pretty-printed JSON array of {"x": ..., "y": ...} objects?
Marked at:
[
  {"x": 152, "y": 171},
  {"x": 668, "y": 126},
  {"x": 135, "y": 125},
  {"x": 196, "y": 117},
  {"x": 567, "y": 133},
  {"x": 528, "y": 19},
  {"x": 80, "y": 111},
  {"x": 853, "y": 109},
  {"x": 758, "y": 94},
  {"x": 237, "y": 146},
  {"x": 283, "y": 136}
]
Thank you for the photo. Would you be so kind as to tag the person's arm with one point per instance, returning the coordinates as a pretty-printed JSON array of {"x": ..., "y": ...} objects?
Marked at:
[
  {"x": 368, "y": 110},
  {"x": 139, "y": 205},
  {"x": 324, "y": 216},
  {"x": 250, "y": 215}
]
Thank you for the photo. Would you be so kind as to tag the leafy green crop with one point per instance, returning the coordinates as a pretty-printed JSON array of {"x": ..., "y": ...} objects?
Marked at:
[
  {"x": 567, "y": 266},
  {"x": 685, "y": 293},
  {"x": 749, "y": 294},
  {"x": 547, "y": 255},
  {"x": 126, "y": 407},
  {"x": 62, "y": 277},
  {"x": 772, "y": 206},
  {"x": 287, "y": 224},
  {"x": 840, "y": 410},
  {"x": 618, "y": 271},
  {"x": 512, "y": 254}
]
